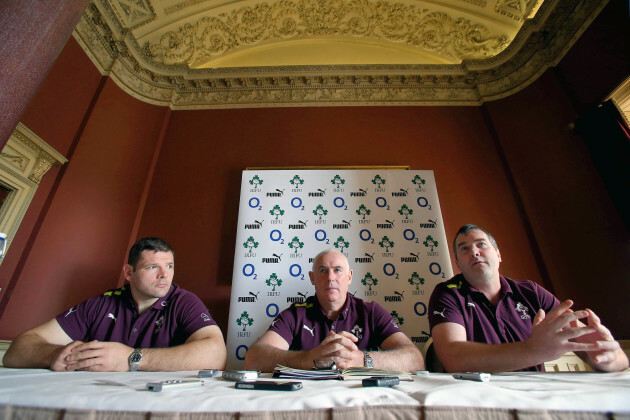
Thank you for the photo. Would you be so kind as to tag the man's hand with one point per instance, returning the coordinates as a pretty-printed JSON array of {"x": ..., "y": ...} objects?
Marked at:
[
  {"x": 340, "y": 348},
  {"x": 59, "y": 362},
  {"x": 560, "y": 331},
  {"x": 98, "y": 356},
  {"x": 608, "y": 356}
]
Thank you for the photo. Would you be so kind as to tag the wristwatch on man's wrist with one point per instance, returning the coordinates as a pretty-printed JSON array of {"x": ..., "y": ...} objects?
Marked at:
[
  {"x": 367, "y": 360},
  {"x": 134, "y": 360}
]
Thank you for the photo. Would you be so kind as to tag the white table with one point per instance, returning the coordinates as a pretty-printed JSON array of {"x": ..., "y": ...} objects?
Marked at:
[{"x": 42, "y": 394}]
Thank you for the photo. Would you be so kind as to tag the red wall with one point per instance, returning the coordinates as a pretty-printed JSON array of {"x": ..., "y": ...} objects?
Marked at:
[
  {"x": 195, "y": 192},
  {"x": 512, "y": 166},
  {"x": 76, "y": 247}
]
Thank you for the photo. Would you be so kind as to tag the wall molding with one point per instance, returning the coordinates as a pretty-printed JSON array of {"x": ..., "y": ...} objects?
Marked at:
[{"x": 540, "y": 43}]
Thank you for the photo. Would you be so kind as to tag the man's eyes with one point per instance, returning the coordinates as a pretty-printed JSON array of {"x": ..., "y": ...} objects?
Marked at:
[{"x": 153, "y": 267}]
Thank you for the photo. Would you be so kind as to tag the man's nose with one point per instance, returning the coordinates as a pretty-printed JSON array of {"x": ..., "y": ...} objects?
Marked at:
[{"x": 162, "y": 272}]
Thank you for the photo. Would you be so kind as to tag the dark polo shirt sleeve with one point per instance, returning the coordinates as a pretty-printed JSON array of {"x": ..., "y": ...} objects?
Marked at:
[{"x": 113, "y": 316}]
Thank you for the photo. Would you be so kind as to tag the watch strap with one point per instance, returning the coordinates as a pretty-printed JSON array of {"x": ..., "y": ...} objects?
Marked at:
[
  {"x": 134, "y": 360},
  {"x": 367, "y": 360}
]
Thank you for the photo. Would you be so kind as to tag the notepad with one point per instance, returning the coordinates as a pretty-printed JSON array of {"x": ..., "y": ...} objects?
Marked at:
[{"x": 352, "y": 373}]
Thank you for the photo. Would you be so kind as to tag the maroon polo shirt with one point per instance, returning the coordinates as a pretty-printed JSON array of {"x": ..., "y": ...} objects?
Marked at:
[
  {"x": 113, "y": 316},
  {"x": 305, "y": 325},
  {"x": 510, "y": 321}
]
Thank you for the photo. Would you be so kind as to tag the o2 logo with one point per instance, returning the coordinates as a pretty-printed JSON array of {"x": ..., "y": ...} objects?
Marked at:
[
  {"x": 295, "y": 271},
  {"x": 321, "y": 236},
  {"x": 241, "y": 351},
  {"x": 424, "y": 203},
  {"x": 420, "y": 309},
  {"x": 276, "y": 236},
  {"x": 436, "y": 269},
  {"x": 250, "y": 271},
  {"x": 390, "y": 270},
  {"x": 255, "y": 203},
  {"x": 366, "y": 235}
]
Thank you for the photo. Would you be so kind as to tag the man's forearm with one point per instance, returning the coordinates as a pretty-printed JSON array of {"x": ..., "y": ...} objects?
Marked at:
[
  {"x": 30, "y": 351},
  {"x": 462, "y": 356},
  {"x": 264, "y": 357},
  {"x": 406, "y": 358},
  {"x": 207, "y": 353}
]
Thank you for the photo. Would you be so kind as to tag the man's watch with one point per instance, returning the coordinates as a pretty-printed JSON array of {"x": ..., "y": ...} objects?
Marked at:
[
  {"x": 367, "y": 360},
  {"x": 134, "y": 360}
]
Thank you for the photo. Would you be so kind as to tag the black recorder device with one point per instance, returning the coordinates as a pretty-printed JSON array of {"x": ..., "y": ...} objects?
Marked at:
[
  {"x": 269, "y": 385},
  {"x": 381, "y": 381}
]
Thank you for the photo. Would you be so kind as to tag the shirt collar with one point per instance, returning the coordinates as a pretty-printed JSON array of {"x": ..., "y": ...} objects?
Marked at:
[
  {"x": 343, "y": 313},
  {"x": 160, "y": 304},
  {"x": 164, "y": 301}
]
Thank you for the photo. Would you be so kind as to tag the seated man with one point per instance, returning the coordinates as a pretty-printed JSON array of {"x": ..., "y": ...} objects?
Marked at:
[
  {"x": 334, "y": 326},
  {"x": 482, "y": 321},
  {"x": 148, "y": 324}
]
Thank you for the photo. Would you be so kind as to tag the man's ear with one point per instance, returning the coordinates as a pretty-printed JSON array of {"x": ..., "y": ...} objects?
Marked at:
[
  {"x": 127, "y": 270},
  {"x": 350, "y": 276},
  {"x": 312, "y": 277},
  {"x": 499, "y": 254}
]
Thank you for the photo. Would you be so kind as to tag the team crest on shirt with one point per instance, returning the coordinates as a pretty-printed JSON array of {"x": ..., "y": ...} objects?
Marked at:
[
  {"x": 158, "y": 324},
  {"x": 357, "y": 332},
  {"x": 522, "y": 309}
]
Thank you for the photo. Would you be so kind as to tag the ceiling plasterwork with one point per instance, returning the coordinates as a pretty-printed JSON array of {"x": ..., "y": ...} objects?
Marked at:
[{"x": 200, "y": 54}]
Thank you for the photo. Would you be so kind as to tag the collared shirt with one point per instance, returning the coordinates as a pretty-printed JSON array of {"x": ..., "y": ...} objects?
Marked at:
[
  {"x": 305, "y": 325},
  {"x": 113, "y": 316},
  {"x": 510, "y": 321}
]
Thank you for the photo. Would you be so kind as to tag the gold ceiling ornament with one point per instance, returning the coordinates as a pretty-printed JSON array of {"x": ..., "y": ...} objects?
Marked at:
[
  {"x": 157, "y": 71},
  {"x": 196, "y": 44}
]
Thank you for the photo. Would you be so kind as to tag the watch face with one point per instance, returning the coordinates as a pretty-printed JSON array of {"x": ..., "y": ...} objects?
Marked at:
[{"x": 135, "y": 357}]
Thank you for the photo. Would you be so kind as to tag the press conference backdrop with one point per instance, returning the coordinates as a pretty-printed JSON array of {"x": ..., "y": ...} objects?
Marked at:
[{"x": 387, "y": 222}]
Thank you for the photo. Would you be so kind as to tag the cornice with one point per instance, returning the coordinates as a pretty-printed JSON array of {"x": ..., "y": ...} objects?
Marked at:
[{"x": 540, "y": 43}]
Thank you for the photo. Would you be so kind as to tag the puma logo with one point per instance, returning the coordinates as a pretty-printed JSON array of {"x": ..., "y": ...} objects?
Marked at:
[
  {"x": 439, "y": 313},
  {"x": 309, "y": 330}
]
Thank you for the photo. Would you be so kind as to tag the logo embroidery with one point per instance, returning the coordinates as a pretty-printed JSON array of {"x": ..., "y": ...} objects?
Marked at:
[
  {"x": 158, "y": 324},
  {"x": 111, "y": 315},
  {"x": 471, "y": 304},
  {"x": 309, "y": 330},
  {"x": 523, "y": 310},
  {"x": 440, "y": 313},
  {"x": 205, "y": 317},
  {"x": 73, "y": 309},
  {"x": 356, "y": 331}
]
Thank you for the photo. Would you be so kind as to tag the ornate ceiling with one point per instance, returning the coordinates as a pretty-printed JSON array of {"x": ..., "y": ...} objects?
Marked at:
[{"x": 200, "y": 54}]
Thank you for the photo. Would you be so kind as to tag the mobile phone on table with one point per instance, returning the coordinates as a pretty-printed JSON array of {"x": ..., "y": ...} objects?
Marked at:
[
  {"x": 240, "y": 375},
  {"x": 270, "y": 385},
  {"x": 381, "y": 381},
  {"x": 472, "y": 376}
]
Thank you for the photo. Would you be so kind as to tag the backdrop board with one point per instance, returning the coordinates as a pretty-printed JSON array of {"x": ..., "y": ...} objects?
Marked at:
[{"x": 387, "y": 222}]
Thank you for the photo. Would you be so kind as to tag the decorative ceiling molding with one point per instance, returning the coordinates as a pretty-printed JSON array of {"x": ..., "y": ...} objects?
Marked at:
[{"x": 159, "y": 71}]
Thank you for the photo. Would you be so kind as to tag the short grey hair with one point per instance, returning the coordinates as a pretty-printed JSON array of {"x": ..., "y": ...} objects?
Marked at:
[{"x": 327, "y": 251}]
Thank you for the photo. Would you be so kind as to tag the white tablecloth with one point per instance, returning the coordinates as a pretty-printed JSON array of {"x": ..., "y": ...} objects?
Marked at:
[{"x": 125, "y": 392}]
